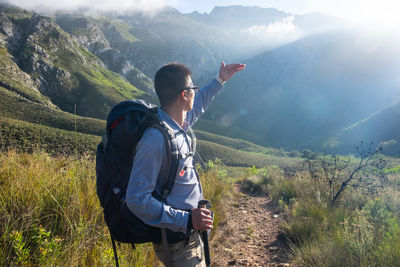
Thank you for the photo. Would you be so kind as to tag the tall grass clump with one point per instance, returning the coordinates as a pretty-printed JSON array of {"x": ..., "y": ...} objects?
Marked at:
[
  {"x": 357, "y": 239},
  {"x": 338, "y": 211},
  {"x": 50, "y": 214},
  {"x": 360, "y": 228},
  {"x": 217, "y": 188}
]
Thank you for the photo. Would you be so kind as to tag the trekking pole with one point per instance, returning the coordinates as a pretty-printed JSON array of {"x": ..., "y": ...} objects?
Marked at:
[{"x": 206, "y": 205}]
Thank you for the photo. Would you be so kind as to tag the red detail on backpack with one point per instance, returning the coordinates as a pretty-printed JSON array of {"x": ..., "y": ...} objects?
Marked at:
[
  {"x": 182, "y": 172},
  {"x": 116, "y": 122}
]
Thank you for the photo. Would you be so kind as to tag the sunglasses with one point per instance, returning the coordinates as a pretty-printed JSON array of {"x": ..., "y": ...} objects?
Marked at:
[{"x": 194, "y": 88}]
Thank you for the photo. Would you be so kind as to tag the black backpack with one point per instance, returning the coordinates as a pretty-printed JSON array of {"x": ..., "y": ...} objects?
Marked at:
[{"x": 126, "y": 123}]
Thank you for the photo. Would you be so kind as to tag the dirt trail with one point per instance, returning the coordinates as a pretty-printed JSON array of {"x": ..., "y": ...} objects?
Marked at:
[{"x": 250, "y": 235}]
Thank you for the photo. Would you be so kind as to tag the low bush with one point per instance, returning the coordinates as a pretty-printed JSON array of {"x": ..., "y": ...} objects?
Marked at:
[{"x": 260, "y": 180}]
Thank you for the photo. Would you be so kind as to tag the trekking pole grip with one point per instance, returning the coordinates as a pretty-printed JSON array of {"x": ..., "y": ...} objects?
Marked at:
[{"x": 205, "y": 204}]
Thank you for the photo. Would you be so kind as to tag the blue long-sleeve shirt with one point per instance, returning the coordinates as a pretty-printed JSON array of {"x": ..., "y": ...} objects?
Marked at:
[{"x": 150, "y": 158}]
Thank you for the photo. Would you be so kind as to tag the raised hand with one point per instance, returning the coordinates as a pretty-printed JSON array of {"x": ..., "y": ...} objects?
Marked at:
[{"x": 227, "y": 71}]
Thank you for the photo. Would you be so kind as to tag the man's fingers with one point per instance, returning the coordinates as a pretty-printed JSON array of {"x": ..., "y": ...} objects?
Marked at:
[
  {"x": 206, "y": 224},
  {"x": 236, "y": 67},
  {"x": 207, "y": 221},
  {"x": 206, "y": 217},
  {"x": 202, "y": 219},
  {"x": 223, "y": 66},
  {"x": 205, "y": 211}
]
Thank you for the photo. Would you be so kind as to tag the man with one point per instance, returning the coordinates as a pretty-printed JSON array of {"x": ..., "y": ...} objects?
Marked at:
[{"x": 180, "y": 108}]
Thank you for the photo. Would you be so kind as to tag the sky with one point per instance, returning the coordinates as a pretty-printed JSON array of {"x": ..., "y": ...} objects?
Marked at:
[
  {"x": 382, "y": 11},
  {"x": 373, "y": 11}
]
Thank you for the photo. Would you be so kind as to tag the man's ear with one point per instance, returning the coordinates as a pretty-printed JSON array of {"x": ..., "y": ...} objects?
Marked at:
[{"x": 184, "y": 94}]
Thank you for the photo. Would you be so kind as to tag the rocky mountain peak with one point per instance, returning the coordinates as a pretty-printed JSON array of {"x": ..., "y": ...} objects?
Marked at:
[{"x": 238, "y": 17}]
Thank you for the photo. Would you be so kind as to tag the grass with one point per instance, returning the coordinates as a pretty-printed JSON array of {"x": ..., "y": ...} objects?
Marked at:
[
  {"x": 217, "y": 187},
  {"x": 230, "y": 131},
  {"x": 14, "y": 106},
  {"x": 125, "y": 30},
  {"x": 50, "y": 214},
  {"x": 362, "y": 229},
  {"x": 28, "y": 137},
  {"x": 238, "y": 144},
  {"x": 233, "y": 157}
]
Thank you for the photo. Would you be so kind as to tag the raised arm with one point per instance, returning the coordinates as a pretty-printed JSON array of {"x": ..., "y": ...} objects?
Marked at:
[{"x": 206, "y": 94}]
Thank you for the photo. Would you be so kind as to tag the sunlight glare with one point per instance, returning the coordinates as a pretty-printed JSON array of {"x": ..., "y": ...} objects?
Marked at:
[{"x": 377, "y": 13}]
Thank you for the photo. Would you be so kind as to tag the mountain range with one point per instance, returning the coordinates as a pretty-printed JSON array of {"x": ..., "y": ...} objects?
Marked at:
[{"x": 311, "y": 80}]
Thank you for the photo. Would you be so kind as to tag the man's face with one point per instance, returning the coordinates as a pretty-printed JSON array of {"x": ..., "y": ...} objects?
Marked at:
[{"x": 190, "y": 93}]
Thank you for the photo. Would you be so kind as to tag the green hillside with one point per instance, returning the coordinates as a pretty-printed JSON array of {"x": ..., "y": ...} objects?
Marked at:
[
  {"x": 47, "y": 63},
  {"x": 109, "y": 39},
  {"x": 231, "y": 131},
  {"x": 14, "y": 79},
  {"x": 14, "y": 106},
  {"x": 234, "y": 157},
  {"x": 239, "y": 144},
  {"x": 381, "y": 127},
  {"x": 28, "y": 137}
]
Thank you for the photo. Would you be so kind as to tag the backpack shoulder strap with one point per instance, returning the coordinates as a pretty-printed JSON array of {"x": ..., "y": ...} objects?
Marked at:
[
  {"x": 172, "y": 158},
  {"x": 170, "y": 172},
  {"x": 194, "y": 152}
]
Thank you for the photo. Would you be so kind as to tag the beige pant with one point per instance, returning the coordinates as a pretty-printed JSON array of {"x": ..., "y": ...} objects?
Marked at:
[{"x": 184, "y": 254}]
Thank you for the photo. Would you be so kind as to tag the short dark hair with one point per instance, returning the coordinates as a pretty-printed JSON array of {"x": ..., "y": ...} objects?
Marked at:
[{"x": 169, "y": 80}]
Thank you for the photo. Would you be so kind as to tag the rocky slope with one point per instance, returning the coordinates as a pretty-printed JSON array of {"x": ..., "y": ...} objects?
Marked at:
[
  {"x": 48, "y": 61},
  {"x": 110, "y": 41}
]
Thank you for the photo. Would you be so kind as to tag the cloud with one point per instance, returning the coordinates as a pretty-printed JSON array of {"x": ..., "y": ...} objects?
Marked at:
[
  {"x": 274, "y": 34},
  {"x": 93, "y": 5}
]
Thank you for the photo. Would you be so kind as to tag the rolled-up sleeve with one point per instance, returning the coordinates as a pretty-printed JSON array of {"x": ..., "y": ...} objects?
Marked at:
[{"x": 150, "y": 153}]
